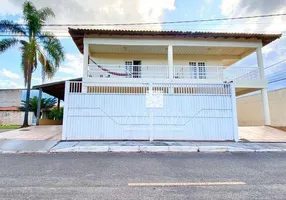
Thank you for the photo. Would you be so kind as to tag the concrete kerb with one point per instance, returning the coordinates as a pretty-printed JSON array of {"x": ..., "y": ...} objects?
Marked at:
[{"x": 20, "y": 147}]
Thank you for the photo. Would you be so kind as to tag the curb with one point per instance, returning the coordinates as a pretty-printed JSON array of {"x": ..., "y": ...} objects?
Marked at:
[{"x": 147, "y": 149}]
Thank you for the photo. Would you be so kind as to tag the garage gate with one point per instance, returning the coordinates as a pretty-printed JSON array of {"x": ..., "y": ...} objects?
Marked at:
[{"x": 150, "y": 111}]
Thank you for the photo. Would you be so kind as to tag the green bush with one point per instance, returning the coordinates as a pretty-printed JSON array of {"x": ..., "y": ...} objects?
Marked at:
[{"x": 56, "y": 114}]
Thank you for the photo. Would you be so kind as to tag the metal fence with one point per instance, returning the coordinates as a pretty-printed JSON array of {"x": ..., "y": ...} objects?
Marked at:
[{"x": 150, "y": 111}]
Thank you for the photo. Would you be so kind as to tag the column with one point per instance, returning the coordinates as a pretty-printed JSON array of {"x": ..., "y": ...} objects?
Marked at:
[
  {"x": 59, "y": 104},
  {"x": 39, "y": 107},
  {"x": 170, "y": 62},
  {"x": 264, "y": 94},
  {"x": 85, "y": 65}
]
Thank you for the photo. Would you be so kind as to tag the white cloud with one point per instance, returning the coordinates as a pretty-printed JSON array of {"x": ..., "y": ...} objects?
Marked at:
[
  {"x": 8, "y": 84},
  {"x": 9, "y": 74},
  {"x": 99, "y": 11},
  {"x": 238, "y": 8},
  {"x": 7, "y": 7},
  {"x": 73, "y": 65}
]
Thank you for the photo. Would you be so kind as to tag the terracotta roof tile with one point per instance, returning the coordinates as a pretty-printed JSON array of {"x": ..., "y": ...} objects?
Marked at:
[
  {"x": 11, "y": 108},
  {"x": 78, "y": 34}
]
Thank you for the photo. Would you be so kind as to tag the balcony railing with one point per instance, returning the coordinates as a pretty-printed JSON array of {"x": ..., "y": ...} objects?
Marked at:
[{"x": 179, "y": 72}]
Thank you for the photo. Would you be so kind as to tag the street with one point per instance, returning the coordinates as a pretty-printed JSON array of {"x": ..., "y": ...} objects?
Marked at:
[{"x": 143, "y": 176}]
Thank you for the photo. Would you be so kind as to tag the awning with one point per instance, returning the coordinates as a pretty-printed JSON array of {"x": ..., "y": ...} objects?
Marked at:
[{"x": 56, "y": 89}]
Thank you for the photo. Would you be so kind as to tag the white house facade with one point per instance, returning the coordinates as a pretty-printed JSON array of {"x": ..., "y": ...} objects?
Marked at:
[{"x": 162, "y": 85}]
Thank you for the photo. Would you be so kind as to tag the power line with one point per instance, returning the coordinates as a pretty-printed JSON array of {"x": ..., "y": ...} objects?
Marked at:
[
  {"x": 169, "y": 22},
  {"x": 282, "y": 61},
  {"x": 282, "y": 79}
]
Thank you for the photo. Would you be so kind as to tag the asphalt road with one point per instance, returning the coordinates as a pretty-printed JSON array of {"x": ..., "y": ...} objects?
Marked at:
[{"x": 107, "y": 175}]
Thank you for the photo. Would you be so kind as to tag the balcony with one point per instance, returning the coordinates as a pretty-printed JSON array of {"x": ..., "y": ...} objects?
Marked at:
[{"x": 185, "y": 72}]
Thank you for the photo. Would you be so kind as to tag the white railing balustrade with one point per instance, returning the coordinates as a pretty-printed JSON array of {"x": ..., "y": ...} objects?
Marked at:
[
  {"x": 127, "y": 71},
  {"x": 241, "y": 73},
  {"x": 221, "y": 73},
  {"x": 194, "y": 72}
]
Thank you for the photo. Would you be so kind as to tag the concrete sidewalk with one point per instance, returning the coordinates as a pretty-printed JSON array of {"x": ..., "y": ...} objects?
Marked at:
[{"x": 18, "y": 146}]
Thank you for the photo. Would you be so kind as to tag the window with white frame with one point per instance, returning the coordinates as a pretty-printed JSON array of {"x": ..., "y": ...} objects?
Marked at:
[
  {"x": 129, "y": 68},
  {"x": 202, "y": 70},
  {"x": 133, "y": 68},
  {"x": 198, "y": 70}
]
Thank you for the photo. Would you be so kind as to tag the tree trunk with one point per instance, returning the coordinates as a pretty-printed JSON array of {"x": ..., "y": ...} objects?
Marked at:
[{"x": 26, "y": 117}]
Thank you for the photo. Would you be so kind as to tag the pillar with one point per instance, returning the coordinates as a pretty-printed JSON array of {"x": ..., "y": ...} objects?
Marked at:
[
  {"x": 59, "y": 104},
  {"x": 264, "y": 94},
  {"x": 170, "y": 61},
  {"x": 39, "y": 107},
  {"x": 85, "y": 65}
]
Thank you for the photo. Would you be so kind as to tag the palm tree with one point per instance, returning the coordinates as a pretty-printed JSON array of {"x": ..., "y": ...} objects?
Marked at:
[
  {"x": 35, "y": 45},
  {"x": 33, "y": 104}
]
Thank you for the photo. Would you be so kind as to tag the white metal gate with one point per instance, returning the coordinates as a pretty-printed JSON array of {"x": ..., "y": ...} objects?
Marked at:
[{"x": 149, "y": 111}]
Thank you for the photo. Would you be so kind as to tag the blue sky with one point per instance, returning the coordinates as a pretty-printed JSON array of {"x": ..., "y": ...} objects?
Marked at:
[{"x": 122, "y": 11}]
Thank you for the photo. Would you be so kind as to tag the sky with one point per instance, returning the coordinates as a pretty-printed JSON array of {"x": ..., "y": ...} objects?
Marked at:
[{"x": 128, "y": 11}]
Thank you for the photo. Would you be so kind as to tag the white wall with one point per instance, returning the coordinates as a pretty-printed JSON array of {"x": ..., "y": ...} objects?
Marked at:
[
  {"x": 10, "y": 98},
  {"x": 250, "y": 109},
  {"x": 14, "y": 117},
  {"x": 150, "y": 59}
]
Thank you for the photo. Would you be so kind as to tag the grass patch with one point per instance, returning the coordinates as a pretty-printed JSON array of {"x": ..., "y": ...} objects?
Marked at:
[{"x": 9, "y": 127}]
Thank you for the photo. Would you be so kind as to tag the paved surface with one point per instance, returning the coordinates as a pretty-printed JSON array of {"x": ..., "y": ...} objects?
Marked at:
[
  {"x": 24, "y": 146},
  {"x": 261, "y": 134},
  {"x": 4, "y": 130},
  {"x": 252, "y": 134},
  {"x": 188, "y": 147},
  {"x": 106, "y": 176},
  {"x": 33, "y": 133}
]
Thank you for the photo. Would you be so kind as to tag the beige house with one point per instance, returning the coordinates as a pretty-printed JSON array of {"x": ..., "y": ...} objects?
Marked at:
[
  {"x": 162, "y": 85},
  {"x": 250, "y": 109}
]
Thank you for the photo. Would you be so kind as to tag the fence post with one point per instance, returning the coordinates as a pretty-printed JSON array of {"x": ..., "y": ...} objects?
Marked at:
[
  {"x": 66, "y": 108},
  {"x": 234, "y": 112},
  {"x": 151, "y": 115}
]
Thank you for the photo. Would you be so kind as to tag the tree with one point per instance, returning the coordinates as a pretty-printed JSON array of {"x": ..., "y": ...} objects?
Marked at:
[
  {"x": 35, "y": 45},
  {"x": 33, "y": 104}
]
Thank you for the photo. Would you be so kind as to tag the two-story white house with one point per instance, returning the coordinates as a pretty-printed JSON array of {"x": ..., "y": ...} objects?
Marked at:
[{"x": 162, "y": 85}]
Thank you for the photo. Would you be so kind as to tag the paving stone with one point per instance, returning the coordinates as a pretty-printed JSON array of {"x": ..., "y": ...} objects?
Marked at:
[
  {"x": 213, "y": 149},
  {"x": 124, "y": 148},
  {"x": 269, "y": 150},
  {"x": 183, "y": 148},
  {"x": 154, "y": 148}
]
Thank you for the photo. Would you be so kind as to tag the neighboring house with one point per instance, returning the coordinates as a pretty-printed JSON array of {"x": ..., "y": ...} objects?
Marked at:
[
  {"x": 10, "y": 102},
  {"x": 250, "y": 112},
  {"x": 162, "y": 85}
]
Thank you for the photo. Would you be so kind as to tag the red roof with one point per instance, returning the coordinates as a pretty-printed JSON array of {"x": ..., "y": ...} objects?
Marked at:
[{"x": 78, "y": 35}]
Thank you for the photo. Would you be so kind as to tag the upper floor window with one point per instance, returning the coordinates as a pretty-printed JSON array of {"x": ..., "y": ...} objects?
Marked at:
[{"x": 198, "y": 70}]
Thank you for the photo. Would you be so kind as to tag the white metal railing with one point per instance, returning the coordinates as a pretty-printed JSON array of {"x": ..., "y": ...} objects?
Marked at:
[
  {"x": 144, "y": 88},
  {"x": 198, "y": 72},
  {"x": 241, "y": 73},
  {"x": 127, "y": 71},
  {"x": 221, "y": 73}
]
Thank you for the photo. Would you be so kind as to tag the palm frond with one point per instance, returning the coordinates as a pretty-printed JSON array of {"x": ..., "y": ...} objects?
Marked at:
[
  {"x": 7, "y": 26},
  {"x": 45, "y": 13},
  {"x": 7, "y": 43},
  {"x": 31, "y": 16},
  {"x": 53, "y": 47}
]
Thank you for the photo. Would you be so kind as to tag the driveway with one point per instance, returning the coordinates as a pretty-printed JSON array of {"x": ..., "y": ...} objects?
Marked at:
[
  {"x": 143, "y": 176},
  {"x": 261, "y": 134},
  {"x": 33, "y": 133},
  {"x": 246, "y": 133}
]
